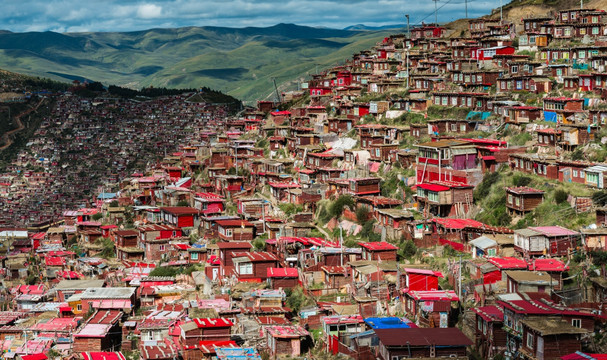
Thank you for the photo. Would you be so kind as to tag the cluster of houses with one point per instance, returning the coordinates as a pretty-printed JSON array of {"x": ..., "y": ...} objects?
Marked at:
[{"x": 113, "y": 195}]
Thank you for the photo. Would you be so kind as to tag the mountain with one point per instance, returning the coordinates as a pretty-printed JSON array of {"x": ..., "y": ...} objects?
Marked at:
[
  {"x": 239, "y": 61},
  {"x": 363, "y": 27}
]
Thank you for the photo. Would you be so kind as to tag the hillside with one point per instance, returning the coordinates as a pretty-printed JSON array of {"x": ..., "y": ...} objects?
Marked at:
[{"x": 241, "y": 62}]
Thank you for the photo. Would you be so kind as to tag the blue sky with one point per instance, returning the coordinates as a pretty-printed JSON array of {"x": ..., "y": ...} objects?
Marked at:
[{"x": 132, "y": 15}]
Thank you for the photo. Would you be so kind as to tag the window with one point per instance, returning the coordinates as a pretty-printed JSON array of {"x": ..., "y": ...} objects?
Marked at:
[
  {"x": 517, "y": 201},
  {"x": 432, "y": 196},
  {"x": 576, "y": 323},
  {"x": 79, "y": 307},
  {"x": 453, "y": 127},
  {"x": 194, "y": 256},
  {"x": 479, "y": 324},
  {"x": 462, "y": 128},
  {"x": 574, "y": 173},
  {"x": 509, "y": 198},
  {"x": 161, "y": 247},
  {"x": 530, "y": 340},
  {"x": 245, "y": 268}
]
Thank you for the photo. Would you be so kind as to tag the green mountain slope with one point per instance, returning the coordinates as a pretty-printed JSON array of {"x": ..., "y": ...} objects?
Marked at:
[{"x": 240, "y": 62}]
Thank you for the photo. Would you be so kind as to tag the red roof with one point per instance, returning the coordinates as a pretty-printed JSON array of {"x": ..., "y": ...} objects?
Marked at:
[
  {"x": 54, "y": 261},
  {"x": 490, "y": 313},
  {"x": 281, "y": 113},
  {"x": 505, "y": 263},
  {"x": 284, "y": 185},
  {"x": 423, "y": 272},
  {"x": 378, "y": 246},
  {"x": 547, "y": 265},
  {"x": 212, "y": 323},
  {"x": 578, "y": 355},
  {"x": 433, "y": 187},
  {"x": 102, "y": 356},
  {"x": 179, "y": 210},
  {"x": 234, "y": 245},
  {"x": 282, "y": 272},
  {"x": 40, "y": 356},
  {"x": 459, "y": 223}
]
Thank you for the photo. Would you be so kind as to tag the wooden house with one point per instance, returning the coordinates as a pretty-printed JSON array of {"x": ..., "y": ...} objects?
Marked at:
[
  {"x": 523, "y": 199},
  {"x": 201, "y": 329},
  {"x": 101, "y": 332},
  {"x": 544, "y": 240},
  {"x": 595, "y": 239},
  {"x": 253, "y": 266},
  {"x": 422, "y": 343},
  {"x": 180, "y": 216},
  {"x": 444, "y": 160},
  {"x": 544, "y": 166},
  {"x": 235, "y": 230},
  {"x": 559, "y": 109},
  {"x": 227, "y": 250},
  {"x": 490, "y": 337},
  {"x": 431, "y": 309},
  {"x": 282, "y": 278},
  {"x": 550, "y": 338},
  {"x": 523, "y": 114},
  {"x": 287, "y": 340},
  {"x": 595, "y": 176},
  {"x": 529, "y": 281},
  {"x": 378, "y": 250},
  {"x": 444, "y": 199},
  {"x": 419, "y": 279}
]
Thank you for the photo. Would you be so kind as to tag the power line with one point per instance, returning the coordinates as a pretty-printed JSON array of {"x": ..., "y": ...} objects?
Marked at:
[{"x": 434, "y": 12}]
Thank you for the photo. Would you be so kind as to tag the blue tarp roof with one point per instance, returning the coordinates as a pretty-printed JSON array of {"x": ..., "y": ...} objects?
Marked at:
[
  {"x": 104, "y": 196},
  {"x": 386, "y": 323}
]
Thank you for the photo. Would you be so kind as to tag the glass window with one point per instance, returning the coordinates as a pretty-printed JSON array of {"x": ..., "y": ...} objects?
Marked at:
[{"x": 530, "y": 340}]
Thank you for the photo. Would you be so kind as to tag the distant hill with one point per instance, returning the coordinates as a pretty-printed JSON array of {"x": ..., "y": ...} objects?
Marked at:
[{"x": 239, "y": 61}]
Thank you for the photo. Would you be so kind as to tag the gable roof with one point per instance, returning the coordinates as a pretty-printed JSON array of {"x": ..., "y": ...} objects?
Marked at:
[{"x": 423, "y": 337}]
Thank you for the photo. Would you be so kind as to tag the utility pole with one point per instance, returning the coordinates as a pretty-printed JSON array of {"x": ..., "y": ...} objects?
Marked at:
[
  {"x": 459, "y": 278},
  {"x": 466, "y": 5},
  {"x": 581, "y": 4},
  {"x": 501, "y": 13},
  {"x": 408, "y": 29},
  {"x": 435, "y": 12}
]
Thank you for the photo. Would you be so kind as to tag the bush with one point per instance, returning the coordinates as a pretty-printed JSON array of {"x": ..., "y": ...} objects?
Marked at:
[
  {"x": 408, "y": 249},
  {"x": 337, "y": 207},
  {"x": 362, "y": 215},
  {"x": 114, "y": 203},
  {"x": 183, "y": 203},
  {"x": 599, "y": 198},
  {"x": 368, "y": 232},
  {"x": 521, "y": 180},
  {"x": 164, "y": 271},
  {"x": 97, "y": 216},
  {"x": 259, "y": 244},
  {"x": 560, "y": 196}
]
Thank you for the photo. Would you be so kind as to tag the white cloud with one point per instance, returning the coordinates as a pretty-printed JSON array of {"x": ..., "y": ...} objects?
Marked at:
[{"x": 149, "y": 11}]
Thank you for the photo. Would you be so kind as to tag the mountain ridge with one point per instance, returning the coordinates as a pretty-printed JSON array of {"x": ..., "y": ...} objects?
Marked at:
[{"x": 187, "y": 57}]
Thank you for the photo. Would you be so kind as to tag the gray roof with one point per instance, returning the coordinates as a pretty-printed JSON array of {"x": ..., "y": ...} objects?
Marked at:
[
  {"x": 79, "y": 284},
  {"x": 108, "y": 293},
  {"x": 483, "y": 242},
  {"x": 527, "y": 232}
]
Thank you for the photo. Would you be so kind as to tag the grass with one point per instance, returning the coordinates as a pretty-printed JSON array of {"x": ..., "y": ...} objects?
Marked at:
[{"x": 491, "y": 197}]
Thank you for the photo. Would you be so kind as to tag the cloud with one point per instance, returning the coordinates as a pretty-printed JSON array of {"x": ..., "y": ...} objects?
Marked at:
[
  {"x": 149, "y": 11},
  {"x": 131, "y": 15}
]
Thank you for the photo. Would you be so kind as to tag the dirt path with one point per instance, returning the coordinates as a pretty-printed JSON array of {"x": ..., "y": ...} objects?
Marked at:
[{"x": 7, "y": 138}]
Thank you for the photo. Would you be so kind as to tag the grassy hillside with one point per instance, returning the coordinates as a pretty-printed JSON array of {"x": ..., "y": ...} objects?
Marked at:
[{"x": 240, "y": 62}]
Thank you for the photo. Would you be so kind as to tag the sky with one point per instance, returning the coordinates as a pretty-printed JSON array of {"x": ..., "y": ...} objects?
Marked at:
[{"x": 132, "y": 15}]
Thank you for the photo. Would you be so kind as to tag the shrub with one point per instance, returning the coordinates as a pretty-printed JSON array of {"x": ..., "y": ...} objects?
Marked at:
[
  {"x": 560, "y": 196},
  {"x": 337, "y": 207},
  {"x": 362, "y": 214},
  {"x": 521, "y": 180},
  {"x": 164, "y": 271},
  {"x": 97, "y": 216},
  {"x": 408, "y": 249}
]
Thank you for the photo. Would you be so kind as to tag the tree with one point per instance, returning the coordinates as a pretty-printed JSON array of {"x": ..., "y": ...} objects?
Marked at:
[{"x": 337, "y": 207}]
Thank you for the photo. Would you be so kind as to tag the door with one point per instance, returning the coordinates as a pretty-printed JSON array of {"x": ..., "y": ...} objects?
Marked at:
[{"x": 540, "y": 348}]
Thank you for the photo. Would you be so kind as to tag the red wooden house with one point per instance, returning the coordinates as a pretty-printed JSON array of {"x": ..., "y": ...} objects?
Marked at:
[
  {"x": 180, "y": 216},
  {"x": 253, "y": 266},
  {"x": 378, "y": 250},
  {"x": 419, "y": 279}
]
